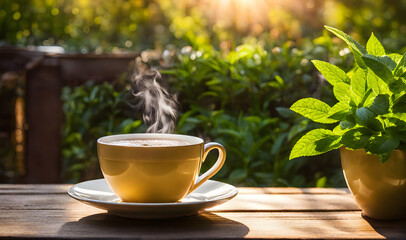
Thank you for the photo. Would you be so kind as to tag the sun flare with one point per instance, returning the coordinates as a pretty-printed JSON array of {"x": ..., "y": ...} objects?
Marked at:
[{"x": 244, "y": 14}]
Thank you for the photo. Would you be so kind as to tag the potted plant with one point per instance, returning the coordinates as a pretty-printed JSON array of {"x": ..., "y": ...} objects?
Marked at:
[{"x": 368, "y": 125}]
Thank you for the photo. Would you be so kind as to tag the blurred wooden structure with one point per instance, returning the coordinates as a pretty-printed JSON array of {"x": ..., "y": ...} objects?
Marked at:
[{"x": 45, "y": 75}]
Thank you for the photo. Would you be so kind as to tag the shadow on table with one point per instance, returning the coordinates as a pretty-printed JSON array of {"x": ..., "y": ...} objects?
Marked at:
[
  {"x": 205, "y": 224},
  {"x": 390, "y": 229}
]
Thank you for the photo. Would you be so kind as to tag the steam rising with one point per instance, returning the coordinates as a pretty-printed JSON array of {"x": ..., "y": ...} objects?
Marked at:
[{"x": 158, "y": 106}]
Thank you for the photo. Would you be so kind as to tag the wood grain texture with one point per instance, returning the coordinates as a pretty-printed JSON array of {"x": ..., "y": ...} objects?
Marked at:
[
  {"x": 92, "y": 223},
  {"x": 241, "y": 203},
  {"x": 255, "y": 213},
  {"x": 62, "y": 188}
]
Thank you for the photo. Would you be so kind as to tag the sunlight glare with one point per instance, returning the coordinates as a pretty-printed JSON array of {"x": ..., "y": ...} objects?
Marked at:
[{"x": 244, "y": 14}]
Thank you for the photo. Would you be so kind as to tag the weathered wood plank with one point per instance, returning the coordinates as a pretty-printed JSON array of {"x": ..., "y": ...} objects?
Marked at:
[
  {"x": 62, "y": 188},
  {"x": 291, "y": 202},
  {"x": 292, "y": 190},
  {"x": 34, "y": 188},
  {"x": 255, "y": 213},
  {"x": 243, "y": 202},
  {"x": 91, "y": 223}
]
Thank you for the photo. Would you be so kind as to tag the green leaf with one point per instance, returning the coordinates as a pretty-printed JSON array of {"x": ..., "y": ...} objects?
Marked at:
[
  {"x": 386, "y": 60},
  {"x": 377, "y": 84},
  {"x": 278, "y": 143},
  {"x": 379, "y": 68},
  {"x": 380, "y": 105},
  {"x": 395, "y": 57},
  {"x": 368, "y": 98},
  {"x": 315, "y": 142},
  {"x": 341, "y": 92},
  {"x": 348, "y": 39},
  {"x": 347, "y": 124},
  {"x": 383, "y": 144},
  {"x": 321, "y": 182},
  {"x": 238, "y": 175},
  {"x": 395, "y": 123},
  {"x": 400, "y": 67},
  {"x": 398, "y": 86},
  {"x": 374, "y": 47},
  {"x": 339, "y": 111},
  {"x": 285, "y": 112},
  {"x": 368, "y": 119},
  {"x": 400, "y": 105},
  {"x": 313, "y": 109},
  {"x": 359, "y": 82},
  {"x": 338, "y": 131},
  {"x": 356, "y": 138},
  {"x": 333, "y": 74},
  {"x": 358, "y": 58}
]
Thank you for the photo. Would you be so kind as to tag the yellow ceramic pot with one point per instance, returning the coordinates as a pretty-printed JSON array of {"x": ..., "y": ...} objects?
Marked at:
[{"x": 378, "y": 188}]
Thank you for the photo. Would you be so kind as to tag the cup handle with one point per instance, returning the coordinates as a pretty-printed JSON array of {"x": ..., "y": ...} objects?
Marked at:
[{"x": 215, "y": 168}]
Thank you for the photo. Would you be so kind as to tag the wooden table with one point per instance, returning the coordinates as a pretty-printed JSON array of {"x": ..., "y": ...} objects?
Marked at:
[{"x": 46, "y": 211}]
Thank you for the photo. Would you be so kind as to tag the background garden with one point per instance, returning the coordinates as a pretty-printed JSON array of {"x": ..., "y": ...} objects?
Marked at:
[{"x": 235, "y": 66}]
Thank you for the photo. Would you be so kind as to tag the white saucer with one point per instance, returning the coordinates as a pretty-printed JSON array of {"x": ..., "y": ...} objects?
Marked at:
[{"x": 97, "y": 193}]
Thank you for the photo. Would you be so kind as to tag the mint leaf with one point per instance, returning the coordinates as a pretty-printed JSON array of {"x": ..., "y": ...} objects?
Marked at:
[
  {"x": 380, "y": 105},
  {"x": 344, "y": 93},
  {"x": 359, "y": 82},
  {"x": 339, "y": 111},
  {"x": 338, "y": 131},
  {"x": 368, "y": 98},
  {"x": 353, "y": 45},
  {"x": 348, "y": 39},
  {"x": 401, "y": 67},
  {"x": 383, "y": 144},
  {"x": 395, "y": 123},
  {"x": 377, "y": 84},
  {"x": 347, "y": 124},
  {"x": 358, "y": 58},
  {"x": 332, "y": 73},
  {"x": 356, "y": 138},
  {"x": 367, "y": 118},
  {"x": 400, "y": 105},
  {"x": 313, "y": 109},
  {"x": 341, "y": 92},
  {"x": 397, "y": 86},
  {"x": 395, "y": 57},
  {"x": 374, "y": 47},
  {"x": 315, "y": 142},
  {"x": 379, "y": 68},
  {"x": 388, "y": 62}
]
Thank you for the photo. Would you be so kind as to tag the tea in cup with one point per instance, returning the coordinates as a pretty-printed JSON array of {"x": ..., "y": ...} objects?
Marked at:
[{"x": 155, "y": 168}]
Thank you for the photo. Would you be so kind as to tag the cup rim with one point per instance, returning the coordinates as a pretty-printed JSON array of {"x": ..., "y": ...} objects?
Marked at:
[{"x": 192, "y": 140}]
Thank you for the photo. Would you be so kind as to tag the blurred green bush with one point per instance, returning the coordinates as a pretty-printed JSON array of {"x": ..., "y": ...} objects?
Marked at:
[{"x": 110, "y": 26}]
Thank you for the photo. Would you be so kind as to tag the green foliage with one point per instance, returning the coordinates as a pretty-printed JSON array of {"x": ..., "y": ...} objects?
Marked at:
[
  {"x": 90, "y": 112},
  {"x": 315, "y": 142},
  {"x": 313, "y": 109},
  {"x": 366, "y": 107},
  {"x": 111, "y": 26}
]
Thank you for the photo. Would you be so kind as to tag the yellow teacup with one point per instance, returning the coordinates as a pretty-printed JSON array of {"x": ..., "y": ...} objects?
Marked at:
[{"x": 146, "y": 167}]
